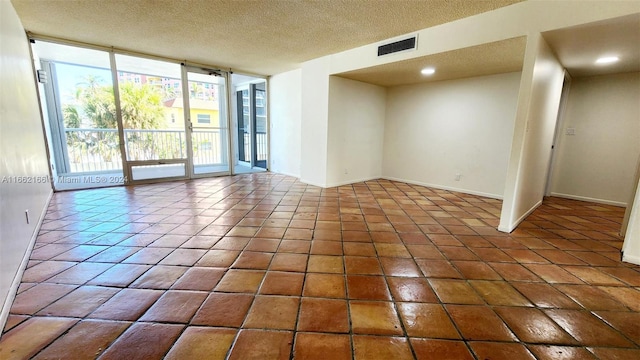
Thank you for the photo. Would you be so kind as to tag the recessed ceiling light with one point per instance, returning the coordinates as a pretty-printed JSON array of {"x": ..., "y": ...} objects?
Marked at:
[
  {"x": 607, "y": 60},
  {"x": 428, "y": 71}
]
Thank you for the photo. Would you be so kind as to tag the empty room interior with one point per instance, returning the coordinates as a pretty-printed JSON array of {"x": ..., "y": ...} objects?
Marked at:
[{"x": 320, "y": 179}]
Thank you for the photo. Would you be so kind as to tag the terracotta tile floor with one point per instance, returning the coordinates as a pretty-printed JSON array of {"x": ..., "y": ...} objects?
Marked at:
[{"x": 264, "y": 267}]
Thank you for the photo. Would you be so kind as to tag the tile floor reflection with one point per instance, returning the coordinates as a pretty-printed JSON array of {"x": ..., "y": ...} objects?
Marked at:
[{"x": 262, "y": 266}]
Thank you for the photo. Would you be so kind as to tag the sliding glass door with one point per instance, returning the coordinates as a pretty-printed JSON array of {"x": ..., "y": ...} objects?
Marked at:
[
  {"x": 207, "y": 120},
  {"x": 250, "y": 124},
  {"x": 259, "y": 95},
  {"x": 120, "y": 119},
  {"x": 243, "y": 102},
  {"x": 151, "y": 108}
]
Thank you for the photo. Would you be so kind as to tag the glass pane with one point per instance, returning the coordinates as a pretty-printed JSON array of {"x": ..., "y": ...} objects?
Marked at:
[
  {"x": 246, "y": 127},
  {"x": 152, "y": 108},
  {"x": 146, "y": 172},
  {"x": 88, "y": 111},
  {"x": 80, "y": 105},
  {"x": 261, "y": 126},
  {"x": 72, "y": 55},
  {"x": 249, "y": 119},
  {"x": 207, "y": 113}
]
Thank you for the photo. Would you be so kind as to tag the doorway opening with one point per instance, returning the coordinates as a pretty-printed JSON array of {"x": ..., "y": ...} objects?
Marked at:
[
  {"x": 207, "y": 119},
  {"x": 249, "y": 104}
]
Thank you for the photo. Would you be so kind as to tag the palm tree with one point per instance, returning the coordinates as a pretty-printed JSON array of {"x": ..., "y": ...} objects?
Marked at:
[
  {"x": 141, "y": 108},
  {"x": 72, "y": 119},
  {"x": 141, "y": 105},
  {"x": 195, "y": 89}
]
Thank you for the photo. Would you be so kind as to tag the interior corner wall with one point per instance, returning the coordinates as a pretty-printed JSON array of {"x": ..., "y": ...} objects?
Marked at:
[
  {"x": 314, "y": 121},
  {"x": 285, "y": 112},
  {"x": 598, "y": 163},
  {"x": 356, "y": 130},
  {"x": 537, "y": 113},
  {"x": 631, "y": 248},
  {"x": 434, "y": 131},
  {"x": 23, "y": 156}
]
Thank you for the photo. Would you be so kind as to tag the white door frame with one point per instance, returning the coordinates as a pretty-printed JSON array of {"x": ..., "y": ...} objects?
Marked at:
[
  {"x": 557, "y": 136},
  {"x": 186, "y": 69}
]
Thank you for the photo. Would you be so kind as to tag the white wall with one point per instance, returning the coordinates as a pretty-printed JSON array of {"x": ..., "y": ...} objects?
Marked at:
[
  {"x": 434, "y": 131},
  {"x": 538, "y": 104},
  {"x": 285, "y": 113},
  {"x": 631, "y": 248},
  {"x": 522, "y": 19},
  {"x": 315, "y": 123},
  {"x": 356, "y": 128},
  {"x": 598, "y": 163},
  {"x": 22, "y": 154}
]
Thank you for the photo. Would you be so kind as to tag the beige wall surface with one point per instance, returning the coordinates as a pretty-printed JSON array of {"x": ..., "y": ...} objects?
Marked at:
[
  {"x": 631, "y": 246},
  {"x": 597, "y": 162},
  {"x": 314, "y": 120},
  {"x": 435, "y": 131},
  {"x": 285, "y": 112},
  {"x": 538, "y": 104},
  {"x": 24, "y": 171},
  {"x": 356, "y": 128}
]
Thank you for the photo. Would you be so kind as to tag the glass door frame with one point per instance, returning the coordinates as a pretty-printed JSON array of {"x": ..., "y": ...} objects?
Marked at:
[
  {"x": 251, "y": 87},
  {"x": 127, "y": 165},
  {"x": 65, "y": 173},
  {"x": 254, "y": 119},
  {"x": 239, "y": 109},
  {"x": 186, "y": 69}
]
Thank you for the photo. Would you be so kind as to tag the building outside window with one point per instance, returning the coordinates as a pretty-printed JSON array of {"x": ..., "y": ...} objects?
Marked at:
[{"x": 204, "y": 119}]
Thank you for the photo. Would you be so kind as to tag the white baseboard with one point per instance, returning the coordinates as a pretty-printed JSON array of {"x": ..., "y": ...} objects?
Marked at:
[
  {"x": 435, "y": 186},
  {"x": 312, "y": 183},
  {"x": 284, "y": 173},
  {"x": 11, "y": 295},
  {"x": 349, "y": 182},
  {"x": 510, "y": 227},
  {"x": 594, "y": 200},
  {"x": 634, "y": 259},
  {"x": 341, "y": 183},
  {"x": 444, "y": 187}
]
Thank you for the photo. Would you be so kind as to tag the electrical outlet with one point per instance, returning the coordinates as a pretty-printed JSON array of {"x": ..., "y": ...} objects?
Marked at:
[
  {"x": 346, "y": 171},
  {"x": 458, "y": 176},
  {"x": 571, "y": 131}
]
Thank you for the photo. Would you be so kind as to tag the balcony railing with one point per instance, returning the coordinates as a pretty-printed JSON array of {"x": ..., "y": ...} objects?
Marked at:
[
  {"x": 93, "y": 150},
  {"x": 144, "y": 145},
  {"x": 261, "y": 145},
  {"x": 207, "y": 146},
  {"x": 97, "y": 150}
]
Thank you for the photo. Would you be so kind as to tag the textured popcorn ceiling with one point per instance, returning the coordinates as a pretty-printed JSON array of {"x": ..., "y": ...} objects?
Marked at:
[
  {"x": 577, "y": 49},
  {"x": 492, "y": 58},
  {"x": 264, "y": 37}
]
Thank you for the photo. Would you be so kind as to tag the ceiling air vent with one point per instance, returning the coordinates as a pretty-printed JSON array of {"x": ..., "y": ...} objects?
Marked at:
[{"x": 397, "y": 46}]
